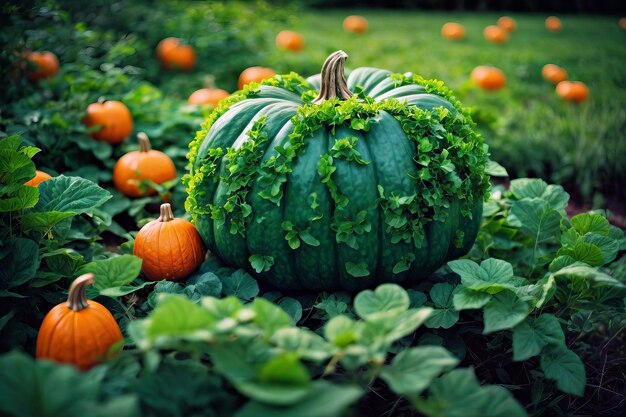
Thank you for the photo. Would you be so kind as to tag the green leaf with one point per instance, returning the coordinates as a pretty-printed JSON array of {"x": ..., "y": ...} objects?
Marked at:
[
  {"x": 412, "y": 370},
  {"x": 492, "y": 276},
  {"x": 531, "y": 188},
  {"x": 269, "y": 316},
  {"x": 504, "y": 311},
  {"x": 47, "y": 389},
  {"x": 590, "y": 223},
  {"x": 291, "y": 307},
  {"x": 43, "y": 222},
  {"x": 15, "y": 167},
  {"x": 306, "y": 344},
  {"x": 357, "y": 270},
  {"x": 443, "y": 316},
  {"x": 241, "y": 285},
  {"x": 584, "y": 252},
  {"x": 261, "y": 263},
  {"x": 71, "y": 194},
  {"x": 586, "y": 272},
  {"x": 458, "y": 393},
  {"x": 530, "y": 336},
  {"x": 465, "y": 299},
  {"x": 405, "y": 323},
  {"x": 565, "y": 367},
  {"x": 21, "y": 265},
  {"x": 494, "y": 169},
  {"x": 176, "y": 316},
  {"x": 324, "y": 399},
  {"x": 22, "y": 198},
  {"x": 285, "y": 368},
  {"x": 386, "y": 300},
  {"x": 341, "y": 331},
  {"x": 113, "y": 275},
  {"x": 538, "y": 219},
  {"x": 608, "y": 246}
]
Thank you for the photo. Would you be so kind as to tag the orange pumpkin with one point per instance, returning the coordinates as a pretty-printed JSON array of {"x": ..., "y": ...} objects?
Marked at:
[
  {"x": 46, "y": 63},
  {"x": 355, "y": 24},
  {"x": 289, "y": 40},
  {"x": 453, "y": 31},
  {"x": 171, "y": 248},
  {"x": 553, "y": 24},
  {"x": 495, "y": 34},
  {"x": 79, "y": 331},
  {"x": 40, "y": 177},
  {"x": 175, "y": 55},
  {"x": 144, "y": 164},
  {"x": 507, "y": 23},
  {"x": 488, "y": 77},
  {"x": 622, "y": 23},
  {"x": 211, "y": 96},
  {"x": 553, "y": 73},
  {"x": 575, "y": 91},
  {"x": 255, "y": 74},
  {"x": 113, "y": 117}
]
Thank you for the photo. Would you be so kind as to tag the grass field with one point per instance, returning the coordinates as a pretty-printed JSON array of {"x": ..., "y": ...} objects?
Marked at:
[{"x": 530, "y": 130}]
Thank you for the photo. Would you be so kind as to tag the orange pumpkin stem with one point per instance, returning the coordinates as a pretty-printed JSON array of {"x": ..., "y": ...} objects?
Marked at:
[
  {"x": 333, "y": 79},
  {"x": 77, "y": 297},
  {"x": 101, "y": 100},
  {"x": 144, "y": 142},
  {"x": 166, "y": 214}
]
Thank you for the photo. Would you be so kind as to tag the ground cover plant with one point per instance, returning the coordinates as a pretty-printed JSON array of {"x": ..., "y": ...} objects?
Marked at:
[{"x": 530, "y": 321}]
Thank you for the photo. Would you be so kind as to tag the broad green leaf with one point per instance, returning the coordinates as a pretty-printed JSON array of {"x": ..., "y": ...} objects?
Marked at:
[
  {"x": 177, "y": 316},
  {"x": 357, "y": 270},
  {"x": 203, "y": 285},
  {"x": 282, "y": 395},
  {"x": 21, "y": 265},
  {"x": 586, "y": 272},
  {"x": 269, "y": 316},
  {"x": 241, "y": 285},
  {"x": 341, "y": 331},
  {"x": 306, "y": 344},
  {"x": 124, "y": 289},
  {"x": 47, "y": 389},
  {"x": 22, "y": 198},
  {"x": 114, "y": 273},
  {"x": 324, "y": 399},
  {"x": 15, "y": 167},
  {"x": 291, "y": 307},
  {"x": 607, "y": 245},
  {"x": 494, "y": 169},
  {"x": 71, "y": 194},
  {"x": 538, "y": 220},
  {"x": 530, "y": 336},
  {"x": 464, "y": 299},
  {"x": 565, "y": 367},
  {"x": 458, "y": 393},
  {"x": 43, "y": 222},
  {"x": 444, "y": 315},
  {"x": 492, "y": 276},
  {"x": 261, "y": 263},
  {"x": 221, "y": 308},
  {"x": 386, "y": 300},
  {"x": 584, "y": 252},
  {"x": 504, "y": 311},
  {"x": 405, "y": 323},
  {"x": 286, "y": 369},
  {"x": 590, "y": 223},
  {"x": 412, "y": 370},
  {"x": 531, "y": 188}
]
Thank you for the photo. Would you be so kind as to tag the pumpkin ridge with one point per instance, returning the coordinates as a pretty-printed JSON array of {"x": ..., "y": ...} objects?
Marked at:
[{"x": 48, "y": 343}]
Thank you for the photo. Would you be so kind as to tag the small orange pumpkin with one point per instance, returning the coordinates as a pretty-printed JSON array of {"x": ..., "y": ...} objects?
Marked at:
[
  {"x": 622, "y": 23},
  {"x": 553, "y": 73},
  {"x": 47, "y": 65},
  {"x": 255, "y": 74},
  {"x": 175, "y": 55},
  {"x": 171, "y": 248},
  {"x": 144, "y": 164},
  {"x": 453, "y": 31},
  {"x": 40, "y": 177},
  {"x": 495, "y": 34},
  {"x": 355, "y": 24},
  {"x": 289, "y": 40},
  {"x": 575, "y": 91},
  {"x": 79, "y": 331},
  {"x": 211, "y": 96},
  {"x": 488, "y": 77},
  {"x": 507, "y": 23},
  {"x": 553, "y": 24},
  {"x": 113, "y": 116}
]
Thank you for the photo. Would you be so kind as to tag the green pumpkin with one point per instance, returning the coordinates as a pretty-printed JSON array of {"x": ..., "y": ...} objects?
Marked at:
[{"x": 376, "y": 179}]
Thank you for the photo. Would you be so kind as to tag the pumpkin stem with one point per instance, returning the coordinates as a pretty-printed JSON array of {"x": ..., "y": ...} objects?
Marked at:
[
  {"x": 209, "y": 82},
  {"x": 101, "y": 100},
  {"x": 77, "y": 298},
  {"x": 333, "y": 79},
  {"x": 166, "y": 214},
  {"x": 144, "y": 142}
]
